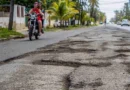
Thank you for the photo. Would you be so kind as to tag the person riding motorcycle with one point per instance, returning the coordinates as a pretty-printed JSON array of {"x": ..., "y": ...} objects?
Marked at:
[
  {"x": 43, "y": 17},
  {"x": 37, "y": 11}
]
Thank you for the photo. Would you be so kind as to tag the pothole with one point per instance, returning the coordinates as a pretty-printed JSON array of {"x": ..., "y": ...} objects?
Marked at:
[
  {"x": 124, "y": 37},
  {"x": 79, "y": 85},
  {"x": 122, "y": 50},
  {"x": 122, "y": 56},
  {"x": 122, "y": 44},
  {"x": 78, "y": 42},
  {"x": 127, "y": 87},
  {"x": 70, "y": 64},
  {"x": 66, "y": 49},
  {"x": 128, "y": 66},
  {"x": 95, "y": 84},
  {"x": 103, "y": 46}
]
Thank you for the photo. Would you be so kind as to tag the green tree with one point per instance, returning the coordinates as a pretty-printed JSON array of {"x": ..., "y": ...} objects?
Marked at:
[
  {"x": 93, "y": 5},
  {"x": 63, "y": 10}
]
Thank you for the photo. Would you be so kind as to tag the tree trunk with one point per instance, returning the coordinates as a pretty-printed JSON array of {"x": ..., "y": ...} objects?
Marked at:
[
  {"x": 60, "y": 23},
  {"x": 65, "y": 23},
  {"x": 92, "y": 9},
  {"x": 68, "y": 22},
  {"x": 49, "y": 21},
  {"x": 10, "y": 26},
  {"x": 74, "y": 19}
]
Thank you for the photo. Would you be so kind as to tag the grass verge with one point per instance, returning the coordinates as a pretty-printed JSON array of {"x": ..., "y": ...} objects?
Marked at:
[
  {"x": 50, "y": 29},
  {"x": 6, "y": 34}
]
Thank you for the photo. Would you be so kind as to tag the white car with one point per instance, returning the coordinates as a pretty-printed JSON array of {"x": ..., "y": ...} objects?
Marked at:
[
  {"x": 125, "y": 22},
  {"x": 119, "y": 23}
]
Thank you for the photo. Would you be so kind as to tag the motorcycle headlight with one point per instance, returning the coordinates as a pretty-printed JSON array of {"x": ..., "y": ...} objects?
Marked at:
[{"x": 33, "y": 17}]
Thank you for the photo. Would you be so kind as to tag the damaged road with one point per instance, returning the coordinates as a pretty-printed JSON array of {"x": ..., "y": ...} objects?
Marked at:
[{"x": 97, "y": 59}]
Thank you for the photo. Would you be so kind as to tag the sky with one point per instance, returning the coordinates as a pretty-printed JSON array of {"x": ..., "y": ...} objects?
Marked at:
[{"x": 109, "y": 6}]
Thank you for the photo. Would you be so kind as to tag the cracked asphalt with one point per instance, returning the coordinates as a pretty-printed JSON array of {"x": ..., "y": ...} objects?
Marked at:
[
  {"x": 13, "y": 48},
  {"x": 97, "y": 59}
]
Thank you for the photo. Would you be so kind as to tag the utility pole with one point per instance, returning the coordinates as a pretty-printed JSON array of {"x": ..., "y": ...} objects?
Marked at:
[{"x": 10, "y": 26}]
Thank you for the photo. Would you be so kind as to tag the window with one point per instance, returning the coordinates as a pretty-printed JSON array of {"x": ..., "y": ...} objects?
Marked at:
[
  {"x": 22, "y": 11},
  {"x": 18, "y": 11}
]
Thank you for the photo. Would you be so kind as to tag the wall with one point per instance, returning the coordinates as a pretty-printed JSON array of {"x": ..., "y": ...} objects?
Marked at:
[
  {"x": 18, "y": 19},
  {"x": 4, "y": 21},
  {"x": 47, "y": 20}
]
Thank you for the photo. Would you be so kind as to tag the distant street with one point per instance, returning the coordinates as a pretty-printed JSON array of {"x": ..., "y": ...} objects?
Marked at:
[{"x": 98, "y": 58}]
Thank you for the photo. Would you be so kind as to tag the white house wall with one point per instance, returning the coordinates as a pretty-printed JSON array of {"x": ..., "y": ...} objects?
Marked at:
[
  {"x": 47, "y": 20},
  {"x": 18, "y": 22},
  {"x": 4, "y": 21}
]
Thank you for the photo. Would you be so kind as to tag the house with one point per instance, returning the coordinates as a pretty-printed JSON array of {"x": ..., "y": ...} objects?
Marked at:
[{"x": 18, "y": 19}]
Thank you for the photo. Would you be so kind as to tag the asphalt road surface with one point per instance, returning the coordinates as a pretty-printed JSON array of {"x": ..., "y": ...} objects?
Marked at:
[
  {"x": 121, "y": 27},
  {"x": 13, "y": 48},
  {"x": 96, "y": 59}
]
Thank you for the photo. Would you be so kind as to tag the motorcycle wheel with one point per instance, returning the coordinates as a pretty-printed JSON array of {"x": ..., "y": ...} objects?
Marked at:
[
  {"x": 36, "y": 36},
  {"x": 30, "y": 33}
]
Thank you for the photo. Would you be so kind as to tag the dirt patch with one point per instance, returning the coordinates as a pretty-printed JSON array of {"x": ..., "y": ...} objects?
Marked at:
[
  {"x": 122, "y": 44},
  {"x": 128, "y": 66},
  {"x": 95, "y": 84},
  {"x": 79, "y": 85},
  {"x": 70, "y": 64},
  {"x": 66, "y": 83},
  {"x": 122, "y": 50},
  {"x": 118, "y": 56},
  {"x": 62, "y": 49},
  {"x": 67, "y": 43},
  {"x": 98, "y": 82},
  {"x": 78, "y": 42},
  {"x": 127, "y": 87},
  {"x": 121, "y": 56},
  {"x": 103, "y": 46},
  {"x": 125, "y": 37}
]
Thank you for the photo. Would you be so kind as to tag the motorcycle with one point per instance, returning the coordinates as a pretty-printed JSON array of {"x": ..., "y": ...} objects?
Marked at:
[{"x": 33, "y": 27}]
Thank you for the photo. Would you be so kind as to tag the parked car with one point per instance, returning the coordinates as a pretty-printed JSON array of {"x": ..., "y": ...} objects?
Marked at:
[
  {"x": 101, "y": 22},
  {"x": 119, "y": 23},
  {"x": 125, "y": 22}
]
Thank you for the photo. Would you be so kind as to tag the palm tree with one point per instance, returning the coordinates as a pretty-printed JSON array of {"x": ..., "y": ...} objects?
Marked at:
[
  {"x": 93, "y": 4},
  {"x": 84, "y": 16},
  {"x": 102, "y": 17},
  {"x": 63, "y": 10}
]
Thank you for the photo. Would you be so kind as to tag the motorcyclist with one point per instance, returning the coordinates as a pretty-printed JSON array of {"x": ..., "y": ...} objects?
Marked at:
[
  {"x": 43, "y": 17},
  {"x": 39, "y": 13}
]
